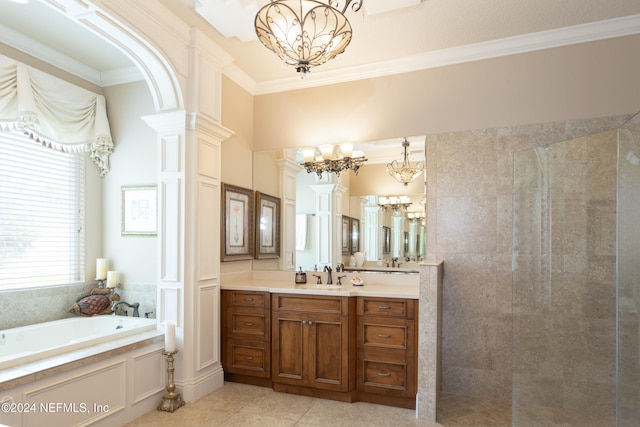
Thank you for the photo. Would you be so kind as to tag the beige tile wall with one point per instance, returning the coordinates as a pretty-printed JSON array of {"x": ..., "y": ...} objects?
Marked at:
[{"x": 470, "y": 227}]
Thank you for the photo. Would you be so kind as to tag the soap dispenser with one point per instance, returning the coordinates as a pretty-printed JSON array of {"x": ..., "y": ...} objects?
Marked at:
[{"x": 301, "y": 277}]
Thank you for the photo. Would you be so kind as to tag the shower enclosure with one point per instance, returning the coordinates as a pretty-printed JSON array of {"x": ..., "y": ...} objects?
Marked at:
[{"x": 576, "y": 281}]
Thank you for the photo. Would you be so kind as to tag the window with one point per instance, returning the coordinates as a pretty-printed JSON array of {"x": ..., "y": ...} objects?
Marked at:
[{"x": 41, "y": 214}]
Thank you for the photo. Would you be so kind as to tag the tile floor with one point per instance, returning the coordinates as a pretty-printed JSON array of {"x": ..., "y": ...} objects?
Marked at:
[{"x": 244, "y": 405}]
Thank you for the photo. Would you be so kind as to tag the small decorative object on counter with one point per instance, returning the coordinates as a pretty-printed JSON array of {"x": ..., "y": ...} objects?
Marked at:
[
  {"x": 357, "y": 281},
  {"x": 301, "y": 276},
  {"x": 352, "y": 261}
]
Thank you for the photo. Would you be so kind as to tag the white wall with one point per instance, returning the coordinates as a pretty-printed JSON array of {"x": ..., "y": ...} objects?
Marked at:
[{"x": 133, "y": 163}]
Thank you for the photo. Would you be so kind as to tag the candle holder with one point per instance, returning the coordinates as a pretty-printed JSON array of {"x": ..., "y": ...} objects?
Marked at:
[{"x": 172, "y": 400}]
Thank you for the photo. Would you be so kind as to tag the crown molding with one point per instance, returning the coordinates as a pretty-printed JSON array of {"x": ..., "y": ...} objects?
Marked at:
[
  {"x": 618, "y": 27},
  {"x": 65, "y": 63}
]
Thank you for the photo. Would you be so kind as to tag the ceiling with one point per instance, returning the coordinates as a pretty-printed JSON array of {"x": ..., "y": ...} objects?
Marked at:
[{"x": 407, "y": 36}]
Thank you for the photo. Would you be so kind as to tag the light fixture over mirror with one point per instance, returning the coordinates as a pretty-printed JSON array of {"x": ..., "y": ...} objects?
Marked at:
[
  {"x": 405, "y": 173},
  {"x": 327, "y": 158},
  {"x": 394, "y": 203},
  {"x": 305, "y": 33}
]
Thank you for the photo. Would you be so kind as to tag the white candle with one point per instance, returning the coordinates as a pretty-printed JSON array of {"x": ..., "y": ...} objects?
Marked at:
[
  {"x": 112, "y": 279},
  {"x": 170, "y": 337},
  {"x": 101, "y": 269}
]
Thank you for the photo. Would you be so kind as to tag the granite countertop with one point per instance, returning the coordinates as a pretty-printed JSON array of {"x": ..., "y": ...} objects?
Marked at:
[{"x": 393, "y": 290}]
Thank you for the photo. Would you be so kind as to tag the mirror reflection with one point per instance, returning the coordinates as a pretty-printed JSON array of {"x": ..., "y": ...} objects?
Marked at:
[{"x": 364, "y": 221}]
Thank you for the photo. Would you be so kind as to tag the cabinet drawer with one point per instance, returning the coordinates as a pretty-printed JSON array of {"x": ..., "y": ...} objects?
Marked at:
[
  {"x": 246, "y": 299},
  {"x": 252, "y": 358},
  {"x": 310, "y": 304},
  {"x": 247, "y": 324},
  {"x": 386, "y": 375},
  {"x": 380, "y": 335},
  {"x": 387, "y": 307}
]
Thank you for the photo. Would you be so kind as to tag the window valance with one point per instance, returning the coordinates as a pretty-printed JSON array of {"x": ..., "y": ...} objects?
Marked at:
[{"x": 54, "y": 112}]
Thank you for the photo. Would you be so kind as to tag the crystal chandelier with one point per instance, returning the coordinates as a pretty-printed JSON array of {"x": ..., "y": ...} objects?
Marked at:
[
  {"x": 394, "y": 203},
  {"x": 329, "y": 160},
  {"x": 405, "y": 173},
  {"x": 305, "y": 33}
]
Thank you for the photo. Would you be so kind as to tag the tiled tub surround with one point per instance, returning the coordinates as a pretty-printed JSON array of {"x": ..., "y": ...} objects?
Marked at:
[
  {"x": 21, "y": 307},
  {"x": 470, "y": 226},
  {"x": 426, "y": 286},
  {"x": 124, "y": 378}
]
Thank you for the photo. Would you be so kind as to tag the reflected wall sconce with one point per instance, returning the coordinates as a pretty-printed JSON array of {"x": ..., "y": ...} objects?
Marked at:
[
  {"x": 305, "y": 33},
  {"x": 329, "y": 159},
  {"x": 405, "y": 173}
]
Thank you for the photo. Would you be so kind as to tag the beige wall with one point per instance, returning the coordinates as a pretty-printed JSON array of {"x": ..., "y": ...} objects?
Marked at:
[
  {"x": 574, "y": 82},
  {"x": 238, "y": 116},
  {"x": 237, "y": 151}
]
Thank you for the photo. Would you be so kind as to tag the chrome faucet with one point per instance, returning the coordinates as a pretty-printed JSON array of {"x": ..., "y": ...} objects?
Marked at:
[
  {"x": 135, "y": 306},
  {"x": 328, "y": 270}
]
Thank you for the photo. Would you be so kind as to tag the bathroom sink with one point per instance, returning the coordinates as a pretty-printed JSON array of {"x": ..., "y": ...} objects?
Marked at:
[{"x": 316, "y": 286}]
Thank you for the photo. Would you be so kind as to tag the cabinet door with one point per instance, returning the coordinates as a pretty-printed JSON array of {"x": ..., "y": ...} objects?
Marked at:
[
  {"x": 328, "y": 352},
  {"x": 288, "y": 346}
]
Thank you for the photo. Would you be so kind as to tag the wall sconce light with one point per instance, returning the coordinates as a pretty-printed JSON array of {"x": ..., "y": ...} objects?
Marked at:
[{"x": 327, "y": 159}]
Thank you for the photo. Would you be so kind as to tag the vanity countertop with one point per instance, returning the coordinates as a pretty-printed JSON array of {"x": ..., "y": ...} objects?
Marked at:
[{"x": 347, "y": 289}]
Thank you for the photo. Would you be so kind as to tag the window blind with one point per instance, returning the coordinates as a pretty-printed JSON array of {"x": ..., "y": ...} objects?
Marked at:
[{"x": 42, "y": 212}]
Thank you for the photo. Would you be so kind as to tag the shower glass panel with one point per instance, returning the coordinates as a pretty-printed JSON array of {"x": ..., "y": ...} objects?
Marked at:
[
  {"x": 628, "y": 273},
  {"x": 564, "y": 288}
]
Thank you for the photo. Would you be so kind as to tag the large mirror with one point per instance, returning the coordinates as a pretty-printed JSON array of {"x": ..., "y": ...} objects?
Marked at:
[{"x": 340, "y": 220}]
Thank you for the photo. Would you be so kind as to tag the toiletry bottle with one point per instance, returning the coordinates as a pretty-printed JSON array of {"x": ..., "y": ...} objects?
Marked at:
[{"x": 301, "y": 277}]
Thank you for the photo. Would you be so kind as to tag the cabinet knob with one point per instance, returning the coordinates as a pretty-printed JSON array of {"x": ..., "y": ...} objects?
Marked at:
[
  {"x": 248, "y": 323},
  {"x": 248, "y": 358},
  {"x": 304, "y": 322},
  {"x": 384, "y": 336},
  {"x": 310, "y": 322},
  {"x": 384, "y": 307},
  {"x": 248, "y": 299},
  {"x": 382, "y": 374}
]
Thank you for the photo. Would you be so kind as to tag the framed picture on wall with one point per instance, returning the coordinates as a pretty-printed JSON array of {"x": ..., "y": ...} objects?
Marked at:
[
  {"x": 237, "y": 223},
  {"x": 140, "y": 211},
  {"x": 267, "y": 226},
  {"x": 346, "y": 235},
  {"x": 355, "y": 235}
]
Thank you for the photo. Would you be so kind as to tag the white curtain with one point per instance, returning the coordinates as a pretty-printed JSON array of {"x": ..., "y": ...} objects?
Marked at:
[{"x": 55, "y": 113}]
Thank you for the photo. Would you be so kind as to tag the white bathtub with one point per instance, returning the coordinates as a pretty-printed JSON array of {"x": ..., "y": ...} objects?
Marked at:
[{"x": 29, "y": 343}]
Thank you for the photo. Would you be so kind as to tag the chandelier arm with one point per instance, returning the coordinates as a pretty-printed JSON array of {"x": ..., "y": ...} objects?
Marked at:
[{"x": 357, "y": 4}]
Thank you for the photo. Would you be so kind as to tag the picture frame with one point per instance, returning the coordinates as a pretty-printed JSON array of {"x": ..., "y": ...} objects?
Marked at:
[
  {"x": 355, "y": 235},
  {"x": 386, "y": 242},
  {"x": 267, "y": 226},
  {"x": 346, "y": 235},
  {"x": 237, "y": 223},
  {"x": 139, "y": 211}
]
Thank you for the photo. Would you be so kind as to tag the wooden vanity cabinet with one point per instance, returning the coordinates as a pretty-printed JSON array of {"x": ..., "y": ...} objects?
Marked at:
[
  {"x": 387, "y": 350},
  {"x": 246, "y": 336},
  {"x": 313, "y": 342}
]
